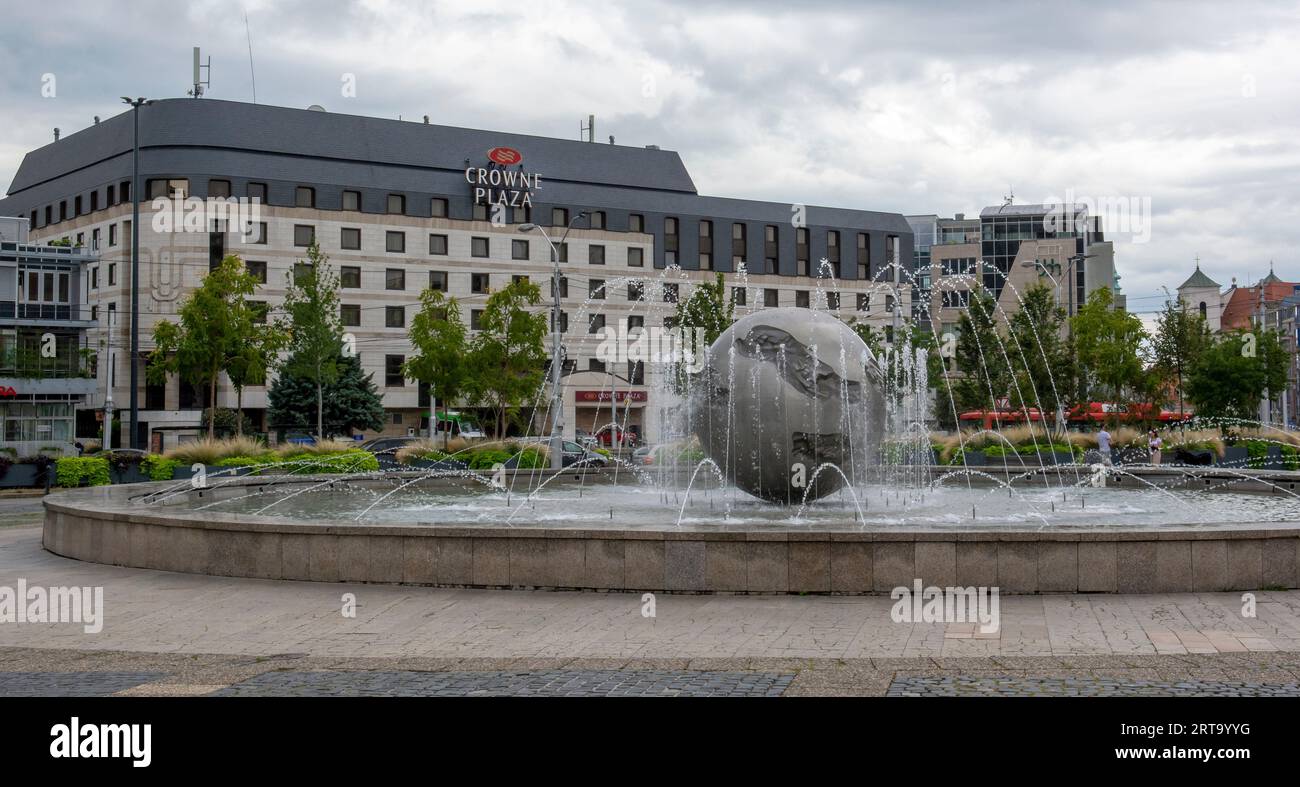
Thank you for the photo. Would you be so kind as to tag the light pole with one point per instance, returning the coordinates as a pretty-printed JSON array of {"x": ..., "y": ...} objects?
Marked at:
[
  {"x": 557, "y": 391},
  {"x": 135, "y": 105}
]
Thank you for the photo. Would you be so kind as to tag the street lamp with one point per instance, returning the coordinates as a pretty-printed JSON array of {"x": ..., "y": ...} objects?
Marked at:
[
  {"x": 557, "y": 395},
  {"x": 1056, "y": 283},
  {"x": 135, "y": 105}
]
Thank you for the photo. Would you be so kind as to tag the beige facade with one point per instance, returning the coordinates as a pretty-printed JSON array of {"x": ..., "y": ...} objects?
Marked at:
[{"x": 172, "y": 264}]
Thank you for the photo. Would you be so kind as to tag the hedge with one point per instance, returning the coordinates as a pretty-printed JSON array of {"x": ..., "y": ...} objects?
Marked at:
[
  {"x": 72, "y": 471},
  {"x": 158, "y": 468}
]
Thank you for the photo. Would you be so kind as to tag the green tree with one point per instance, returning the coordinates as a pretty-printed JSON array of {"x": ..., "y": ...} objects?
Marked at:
[
  {"x": 985, "y": 376},
  {"x": 215, "y": 327},
  {"x": 707, "y": 307},
  {"x": 1042, "y": 359},
  {"x": 1181, "y": 337},
  {"x": 1107, "y": 343},
  {"x": 508, "y": 356},
  {"x": 1233, "y": 374},
  {"x": 440, "y": 360},
  {"x": 351, "y": 400},
  {"x": 315, "y": 332}
]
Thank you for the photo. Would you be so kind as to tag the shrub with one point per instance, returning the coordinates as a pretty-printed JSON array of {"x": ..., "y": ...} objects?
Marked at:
[
  {"x": 5, "y": 463},
  {"x": 353, "y": 461},
  {"x": 487, "y": 458},
  {"x": 73, "y": 471},
  {"x": 158, "y": 467},
  {"x": 211, "y": 452},
  {"x": 532, "y": 458},
  {"x": 1290, "y": 457},
  {"x": 1256, "y": 453}
]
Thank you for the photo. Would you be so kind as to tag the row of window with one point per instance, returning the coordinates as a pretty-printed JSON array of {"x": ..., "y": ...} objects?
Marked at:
[{"x": 395, "y": 241}]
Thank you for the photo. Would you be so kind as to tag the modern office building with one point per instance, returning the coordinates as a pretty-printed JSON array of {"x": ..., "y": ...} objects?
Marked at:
[
  {"x": 46, "y": 365},
  {"x": 400, "y": 206}
]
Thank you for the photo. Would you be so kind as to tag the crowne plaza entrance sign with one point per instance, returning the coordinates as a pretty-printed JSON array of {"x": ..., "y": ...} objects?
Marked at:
[{"x": 503, "y": 180}]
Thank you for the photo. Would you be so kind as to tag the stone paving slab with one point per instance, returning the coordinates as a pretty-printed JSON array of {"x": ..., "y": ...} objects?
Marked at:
[
  {"x": 547, "y": 683},
  {"x": 71, "y": 684},
  {"x": 1012, "y": 686}
]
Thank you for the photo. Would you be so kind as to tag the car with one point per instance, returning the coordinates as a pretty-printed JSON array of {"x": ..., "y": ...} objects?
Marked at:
[
  {"x": 661, "y": 453},
  {"x": 573, "y": 453},
  {"x": 612, "y": 435}
]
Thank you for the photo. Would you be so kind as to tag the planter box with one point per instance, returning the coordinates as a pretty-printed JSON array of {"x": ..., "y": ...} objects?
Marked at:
[
  {"x": 437, "y": 464},
  {"x": 22, "y": 476},
  {"x": 131, "y": 475},
  {"x": 1235, "y": 457},
  {"x": 975, "y": 459},
  {"x": 1201, "y": 457}
]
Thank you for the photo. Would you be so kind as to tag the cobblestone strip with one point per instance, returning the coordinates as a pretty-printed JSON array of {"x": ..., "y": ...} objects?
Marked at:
[
  {"x": 964, "y": 686},
  {"x": 546, "y": 683},
  {"x": 71, "y": 684}
]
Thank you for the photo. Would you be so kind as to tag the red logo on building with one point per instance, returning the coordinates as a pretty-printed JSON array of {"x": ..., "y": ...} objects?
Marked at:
[
  {"x": 6, "y": 391},
  {"x": 506, "y": 157}
]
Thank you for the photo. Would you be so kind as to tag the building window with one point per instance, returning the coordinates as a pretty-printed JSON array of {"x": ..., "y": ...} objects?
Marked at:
[
  {"x": 559, "y": 217},
  {"x": 564, "y": 287},
  {"x": 864, "y": 256},
  {"x": 595, "y": 365},
  {"x": 301, "y": 270},
  {"x": 706, "y": 245},
  {"x": 519, "y": 277},
  {"x": 304, "y": 235},
  {"x": 562, "y": 251},
  {"x": 395, "y": 316},
  {"x": 259, "y": 234},
  {"x": 94, "y": 200},
  {"x": 518, "y": 249},
  {"x": 396, "y": 204},
  {"x": 636, "y": 291},
  {"x": 670, "y": 293},
  {"x": 670, "y": 241},
  {"x": 478, "y": 247},
  {"x": 801, "y": 251},
  {"x": 636, "y": 257},
  {"x": 771, "y": 248},
  {"x": 438, "y": 281},
  {"x": 219, "y": 188},
  {"x": 480, "y": 212},
  {"x": 76, "y": 205},
  {"x": 864, "y": 301},
  {"x": 833, "y": 301},
  {"x": 771, "y": 297},
  {"x": 393, "y": 377},
  {"x": 479, "y": 283},
  {"x": 255, "y": 191},
  {"x": 112, "y": 274},
  {"x": 94, "y": 239},
  {"x": 596, "y": 289},
  {"x": 476, "y": 319},
  {"x": 350, "y": 315},
  {"x": 438, "y": 207},
  {"x": 1203, "y": 310},
  {"x": 110, "y": 200},
  {"x": 950, "y": 299},
  {"x": 738, "y": 296},
  {"x": 94, "y": 278},
  {"x": 801, "y": 298},
  {"x": 438, "y": 244},
  {"x": 596, "y": 255},
  {"x": 256, "y": 269},
  {"x": 351, "y": 200},
  {"x": 521, "y": 215},
  {"x": 112, "y": 235},
  {"x": 889, "y": 303},
  {"x": 394, "y": 279},
  {"x": 395, "y": 242},
  {"x": 596, "y": 324},
  {"x": 350, "y": 277},
  {"x": 739, "y": 236},
  {"x": 304, "y": 197},
  {"x": 350, "y": 238},
  {"x": 597, "y": 219},
  {"x": 635, "y": 321},
  {"x": 564, "y": 322},
  {"x": 636, "y": 223}
]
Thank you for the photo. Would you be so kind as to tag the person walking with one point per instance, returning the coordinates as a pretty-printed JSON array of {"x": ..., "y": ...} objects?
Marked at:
[
  {"x": 1103, "y": 446},
  {"x": 1153, "y": 444}
]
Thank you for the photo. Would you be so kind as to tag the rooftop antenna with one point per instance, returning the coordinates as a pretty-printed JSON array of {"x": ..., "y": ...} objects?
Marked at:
[
  {"x": 589, "y": 130},
  {"x": 199, "y": 82},
  {"x": 251, "y": 75}
]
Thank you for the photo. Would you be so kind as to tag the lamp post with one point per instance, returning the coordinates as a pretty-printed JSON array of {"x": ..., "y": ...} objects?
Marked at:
[
  {"x": 135, "y": 105},
  {"x": 557, "y": 391}
]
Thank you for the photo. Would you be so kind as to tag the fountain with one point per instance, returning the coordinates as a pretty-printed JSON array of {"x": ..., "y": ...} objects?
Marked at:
[{"x": 794, "y": 460}]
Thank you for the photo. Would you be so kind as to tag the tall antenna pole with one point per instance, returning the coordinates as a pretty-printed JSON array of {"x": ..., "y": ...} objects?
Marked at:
[{"x": 251, "y": 74}]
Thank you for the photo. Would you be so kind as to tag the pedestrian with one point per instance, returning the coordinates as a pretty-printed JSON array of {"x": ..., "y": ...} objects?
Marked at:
[
  {"x": 1153, "y": 443},
  {"x": 1103, "y": 446}
]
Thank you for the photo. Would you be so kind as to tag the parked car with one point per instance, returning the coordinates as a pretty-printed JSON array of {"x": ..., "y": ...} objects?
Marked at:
[
  {"x": 613, "y": 436},
  {"x": 654, "y": 454},
  {"x": 573, "y": 453},
  {"x": 385, "y": 448}
]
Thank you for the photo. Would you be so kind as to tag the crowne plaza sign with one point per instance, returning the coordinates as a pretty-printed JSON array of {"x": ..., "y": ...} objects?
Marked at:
[{"x": 503, "y": 180}]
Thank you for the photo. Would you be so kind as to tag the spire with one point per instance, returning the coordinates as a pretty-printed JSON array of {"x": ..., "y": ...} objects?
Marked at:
[{"x": 1271, "y": 278}]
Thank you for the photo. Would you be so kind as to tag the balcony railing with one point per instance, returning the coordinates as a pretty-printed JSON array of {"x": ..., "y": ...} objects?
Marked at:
[{"x": 16, "y": 310}]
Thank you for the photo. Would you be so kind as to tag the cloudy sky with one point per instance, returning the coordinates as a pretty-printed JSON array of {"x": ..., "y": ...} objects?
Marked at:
[{"x": 1186, "y": 111}]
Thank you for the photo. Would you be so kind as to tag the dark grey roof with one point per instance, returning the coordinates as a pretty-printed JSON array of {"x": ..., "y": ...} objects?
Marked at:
[
  {"x": 256, "y": 141},
  {"x": 237, "y": 126}
]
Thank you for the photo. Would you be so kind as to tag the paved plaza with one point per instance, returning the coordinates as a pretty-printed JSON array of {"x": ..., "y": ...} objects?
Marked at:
[{"x": 168, "y": 633}]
